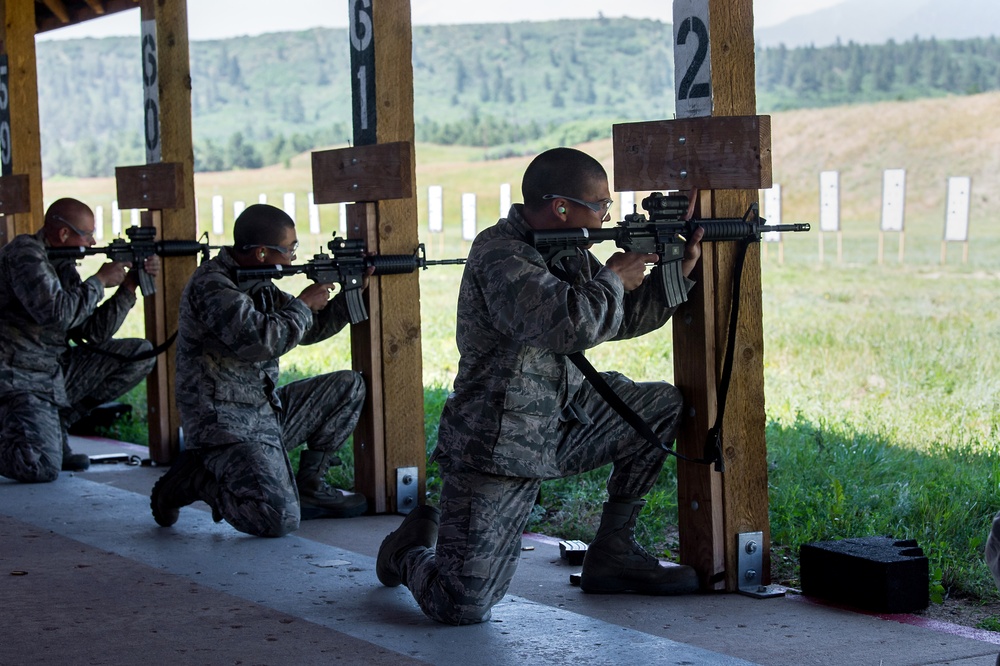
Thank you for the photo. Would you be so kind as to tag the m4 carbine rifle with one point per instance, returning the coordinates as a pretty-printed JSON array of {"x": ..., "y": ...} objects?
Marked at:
[
  {"x": 140, "y": 246},
  {"x": 663, "y": 234},
  {"x": 347, "y": 265}
]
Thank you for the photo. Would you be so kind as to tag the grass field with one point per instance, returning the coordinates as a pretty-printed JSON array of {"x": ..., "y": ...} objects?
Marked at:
[{"x": 882, "y": 379}]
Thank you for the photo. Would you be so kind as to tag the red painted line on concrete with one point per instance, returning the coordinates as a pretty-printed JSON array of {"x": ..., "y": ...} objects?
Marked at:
[{"x": 983, "y": 635}]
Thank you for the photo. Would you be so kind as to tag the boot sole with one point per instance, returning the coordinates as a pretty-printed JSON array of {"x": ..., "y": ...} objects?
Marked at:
[
  {"x": 316, "y": 512},
  {"x": 158, "y": 515},
  {"x": 619, "y": 587}
]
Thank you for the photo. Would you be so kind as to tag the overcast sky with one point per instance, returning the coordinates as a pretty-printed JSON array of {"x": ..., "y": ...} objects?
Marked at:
[{"x": 216, "y": 19}]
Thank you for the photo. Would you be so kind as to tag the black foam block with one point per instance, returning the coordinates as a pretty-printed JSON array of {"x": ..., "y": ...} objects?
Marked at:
[{"x": 878, "y": 574}]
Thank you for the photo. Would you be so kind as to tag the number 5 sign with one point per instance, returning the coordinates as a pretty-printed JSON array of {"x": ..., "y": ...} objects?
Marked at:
[{"x": 692, "y": 61}]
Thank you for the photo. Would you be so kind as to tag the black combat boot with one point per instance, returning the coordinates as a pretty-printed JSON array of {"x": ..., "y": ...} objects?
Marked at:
[
  {"x": 418, "y": 530},
  {"x": 316, "y": 497},
  {"x": 616, "y": 563},
  {"x": 186, "y": 482},
  {"x": 73, "y": 462}
]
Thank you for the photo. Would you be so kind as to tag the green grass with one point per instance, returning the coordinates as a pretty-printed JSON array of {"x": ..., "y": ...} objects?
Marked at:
[{"x": 882, "y": 399}]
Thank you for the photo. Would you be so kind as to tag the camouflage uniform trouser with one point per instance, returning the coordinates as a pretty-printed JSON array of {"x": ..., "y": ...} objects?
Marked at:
[
  {"x": 257, "y": 491},
  {"x": 33, "y": 428},
  {"x": 483, "y": 516}
]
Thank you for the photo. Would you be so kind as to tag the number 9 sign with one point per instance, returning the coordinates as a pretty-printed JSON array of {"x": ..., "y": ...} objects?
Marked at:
[
  {"x": 6, "y": 157},
  {"x": 692, "y": 59}
]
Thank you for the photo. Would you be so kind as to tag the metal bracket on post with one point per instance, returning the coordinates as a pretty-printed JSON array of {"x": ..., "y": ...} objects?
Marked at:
[
  {"x": 750, "y": 563},
  {"x": 406, "y": 489}
]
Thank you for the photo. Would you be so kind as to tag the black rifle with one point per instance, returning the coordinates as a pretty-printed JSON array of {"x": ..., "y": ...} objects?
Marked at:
[
  {"x": 347, "y": 264},
  {"x": 663, "y": 234},
  {"x": 140, "y": 246}
]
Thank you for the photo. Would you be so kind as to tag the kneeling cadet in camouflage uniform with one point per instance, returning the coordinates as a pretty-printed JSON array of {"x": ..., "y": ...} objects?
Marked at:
[
  {"x": 237, "y": 424},
  {"x": 521, "y": 412},
  {"x": 46, "y": 385}
]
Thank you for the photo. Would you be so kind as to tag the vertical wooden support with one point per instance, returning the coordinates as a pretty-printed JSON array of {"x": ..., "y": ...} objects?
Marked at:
[
  {"x": 17, "y": 42},
  {"x": 715, "y": 508},
  {"x": 173, "y": 73},
  {"x": 381, "y": 38}
]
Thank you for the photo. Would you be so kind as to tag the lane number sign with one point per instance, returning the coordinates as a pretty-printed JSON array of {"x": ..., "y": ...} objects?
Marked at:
[
  {"x": 692, "y": 59},
  {"x": 150, "y": 92},
  {"x": 6, "y": 157},
  {"x": 363, "y": 72}
]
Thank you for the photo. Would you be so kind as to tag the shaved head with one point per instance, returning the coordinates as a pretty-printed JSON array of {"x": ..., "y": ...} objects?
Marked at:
[
  {"x": 260, "y": 224},
  {"x": 564, "y": 171}
]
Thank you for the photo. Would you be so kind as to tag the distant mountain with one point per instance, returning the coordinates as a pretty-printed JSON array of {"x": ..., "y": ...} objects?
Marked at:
[{"x": 878, "y": 21}]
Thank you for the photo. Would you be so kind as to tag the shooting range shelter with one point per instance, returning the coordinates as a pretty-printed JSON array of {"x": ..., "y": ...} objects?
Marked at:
[{"x": 715, "y": 509}]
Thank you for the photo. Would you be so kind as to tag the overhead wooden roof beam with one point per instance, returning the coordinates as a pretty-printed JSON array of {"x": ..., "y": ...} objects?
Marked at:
[
  {"x": 55, "y": 14},
  {"x": 58, "y": 8},
  {"x": 96, "y": 6}
]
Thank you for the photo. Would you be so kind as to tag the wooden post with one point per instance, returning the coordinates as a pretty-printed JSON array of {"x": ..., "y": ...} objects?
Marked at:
[
  {"x": 744, "y": 484},
  {"x": 391, "y": 428},
  {"x": 167, "y": 60},
  {"x": 728, "y": 153},
  {"x": 368, "y": 174},
  {"x": 21, "y": 148}
]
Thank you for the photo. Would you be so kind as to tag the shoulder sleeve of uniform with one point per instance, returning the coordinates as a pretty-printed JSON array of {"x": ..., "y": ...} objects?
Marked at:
[
  {"x": 43, "y": 295},
  {"x": 251, "y": 334},
  {"x": 527, "y": 302}
]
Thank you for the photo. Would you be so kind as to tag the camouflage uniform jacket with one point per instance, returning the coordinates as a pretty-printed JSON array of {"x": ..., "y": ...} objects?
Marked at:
[
  {"x": 517, "y": 322},
  {"x": 228, "y": 344},
  {"x": 42, "y": 304}
]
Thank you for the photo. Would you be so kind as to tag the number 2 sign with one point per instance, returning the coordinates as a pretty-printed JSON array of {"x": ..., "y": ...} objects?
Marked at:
[{"x": 692, "y": 59}]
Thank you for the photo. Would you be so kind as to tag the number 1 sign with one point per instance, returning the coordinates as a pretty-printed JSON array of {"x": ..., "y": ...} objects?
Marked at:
[{"x": 692, "y": 61}]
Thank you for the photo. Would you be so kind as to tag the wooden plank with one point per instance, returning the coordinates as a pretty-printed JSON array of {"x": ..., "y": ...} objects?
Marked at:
[
  {"x": 708, "y": 153},
  {"x": 699, "y": 488},
  {"x": 364, "y": 173},
  {"x": 369, "y": 435},
  {"x": 745, "y": 449},
  {"x": 174, "y": 78},
  {"x": 58, "y": 8},
  {"x": 17, "y": 41},
  {"x": 150, "y": 186},
  {"x": 15, "y": 193},
  {"x": 389, "y": 101},
  {"x": 157, "y": 383},
  {"x": 699, "y": 354}
]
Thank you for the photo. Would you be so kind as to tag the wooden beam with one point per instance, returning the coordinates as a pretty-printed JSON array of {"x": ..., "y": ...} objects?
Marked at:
[
  {"x": 96, "y": 6},
  {"x": 58, "y": 8},
  {"x": 17, "y": 42},
  {"x": 709, "y": 535},
  {"x": 177, "y": 223},
  {"x": 49, "y": 20},
  {"x": 365, "y": 173},
  {"x": 369, "y": 437},
  {"x": 157, "y": 186},
  {"x": 387, "y": 99},
  {"x": 724, "y": 152}
]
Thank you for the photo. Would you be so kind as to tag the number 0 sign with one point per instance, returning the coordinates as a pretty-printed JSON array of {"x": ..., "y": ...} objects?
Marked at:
[{"x": 692, "y": 61}]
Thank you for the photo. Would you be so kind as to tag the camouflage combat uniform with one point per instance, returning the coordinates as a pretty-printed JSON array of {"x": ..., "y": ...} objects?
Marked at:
[
  {"x": 521, "y": 411},
  {"x": 46, "y": 385},
  {"x": 229, "y": 341}
]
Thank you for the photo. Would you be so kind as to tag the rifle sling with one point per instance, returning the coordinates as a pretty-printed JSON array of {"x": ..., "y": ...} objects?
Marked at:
[
  {"x": 135, "y": 358},
  {"x": 626, "y": 412}
]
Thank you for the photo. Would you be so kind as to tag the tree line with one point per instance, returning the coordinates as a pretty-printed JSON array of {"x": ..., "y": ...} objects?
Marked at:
[{"x": 508, "y": 89}]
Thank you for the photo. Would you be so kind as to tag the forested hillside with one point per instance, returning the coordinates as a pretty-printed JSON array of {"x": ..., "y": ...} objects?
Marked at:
[{"x": 505, "y": 88}]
